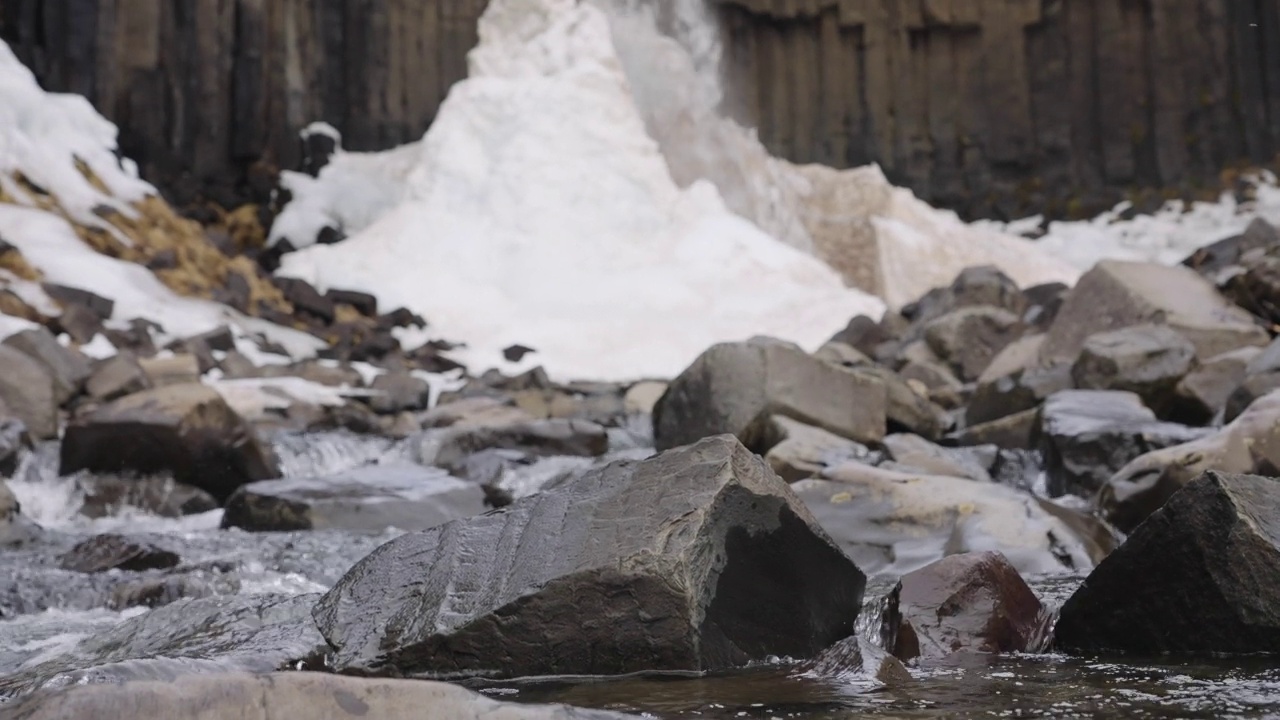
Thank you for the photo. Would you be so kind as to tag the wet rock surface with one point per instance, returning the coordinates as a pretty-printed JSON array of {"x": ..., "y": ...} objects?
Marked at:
[
  {"x": 706, "y": 561},
  {"x": 116, "y": 552},
  {"x": 374, "y": 497},
  {"x": 1201, "y": 574},
  {"x": 976, "y": 602}
]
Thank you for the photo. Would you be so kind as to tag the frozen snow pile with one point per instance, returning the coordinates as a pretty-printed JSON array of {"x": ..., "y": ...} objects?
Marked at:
[
  {"x": 540, "y": 212},
  {"x": 58, "y": 170},
  {"x": 1167, "y": 236}
]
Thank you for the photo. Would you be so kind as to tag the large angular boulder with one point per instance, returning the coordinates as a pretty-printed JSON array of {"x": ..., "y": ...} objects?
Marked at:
[
  {"x": 27, "y": 392},
  {"x": 1249, "y": 444},
  {"x": 1119, "y": 293},
  {"x": 1086, "y": 436},
  {"x": 1202, "y": 575},
  {"x": 695, "y": 559},
  {"x": 375, "y": 497},
  {"x": 186, "y": 429},
  {"x": 736, "y": 387},
  {"x": 310, "y": 695},
  {"x": 975, "y": 602},
  {"x": 68, "y": 368},
  {"x": 892, "y": 522},
  {"x": 1148, "y": 360}
]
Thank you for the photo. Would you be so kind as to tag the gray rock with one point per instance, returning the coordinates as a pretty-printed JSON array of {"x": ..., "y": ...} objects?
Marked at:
[
  {"x": 449, "y": 448},
  {"x": 1266, "y": 361},
  {"x": 156, "y": 494},
  {"x": 1230, "y": 252},
  {"x": 1249, "y": 444},
  {"x": 15, "y": 529},
  {"x": 973, "y": 287},
  {"x": 1203, "y": 393},
  {"x": 27, "y": 390},
  {"x": 838, "y": 353},
  {"x": 1117, "y": 294},
  {"x": 120, "y": 375},
  {"x": 907, "y": 409},
  {"x": 14, "y": 440},
  {"x": 188, "y": 430},
  {"x": 473, "y": 412},
  {"x": 893, "y": 522},
  {"x": 735, "y": 387},
  {"x": 250, "y": 633},
  {"x": 1088, "y": 435},
  {"x": 911, "y": 452},
  {"x": 68, "y": 368},
  {"x": 1252, "y": 388},
  {"x": 101, "y": 553},
  {"x": 177, "y": 369},
  {"x": 397, "y": 392},
  {"x": 968, "y": 339},
  {"x": 374, "y": 497},
  {"x": 315, "y": 696},
  {"x": 1012, "y": 432},
  {"x": 1015, "y": 381},
  {"x": 696, "y": 559},
  {"x": 865, "y": 335},
  {"x": 798, "y": 451},
  {"x": 1149, "y": 360},
  {"x": 1200, "y": 575}
]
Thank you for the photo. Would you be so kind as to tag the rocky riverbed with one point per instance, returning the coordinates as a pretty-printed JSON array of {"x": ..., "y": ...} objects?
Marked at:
[{"x": 1037, "y": 501}]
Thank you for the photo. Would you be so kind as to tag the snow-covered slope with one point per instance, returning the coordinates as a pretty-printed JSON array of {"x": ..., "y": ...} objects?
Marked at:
[{"x": 540, "y": 212}]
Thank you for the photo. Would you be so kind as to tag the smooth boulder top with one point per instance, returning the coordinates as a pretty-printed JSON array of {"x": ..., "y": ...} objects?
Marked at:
[
  {"x": 693, "y": 559},
  {"x": 1201, "y": 575},
  {"x": 295, "y": 695}
]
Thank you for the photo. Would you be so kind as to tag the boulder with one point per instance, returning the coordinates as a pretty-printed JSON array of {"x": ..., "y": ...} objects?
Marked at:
[
  {"x": 975, "y": 602},
  {"x": 119, "y": 375},
  {"x": 14, "y": 440},
  {"x": 696, "y": 559},
  {"x": 1015, "y": 381},
  {"x": 474, "y": 412},
  {"x": 1203, "y": 393},
  {"x": 1252, "y": 388},
  {"x": 68, "y": 368},
  {"x": 188, "y": 430},
  {"x": 315, "y": 696},
  {"x": 27, "y": 391},
  {"x": 399, "y": 391},
  {"x": 1012, "y": 432},
  {"x": 1249, "y": 444},
  {"x": 975, "y": 286},
  {"x": 906, "y": 408},
  {"x": 101, "y": 553},
  {"x": 1043, "y": 303},
  {"x": 15, "y": 529},
  {"x": 1149, "y": 360},
  {"x": 838, "y": 353},
  {"x": 374, "y": 498},
  {"x": 969, "y": 338},
  {"x": 914, "y": 453},
  {"x": 892, "y": 522},
  {"x": 1200, "y": 575},
  {"x": 1229, "y": 253},
  {"x": 642, "y": 396},
  {"x": 227, "y": 633},
  {"x": 864, "y": 334},
  {"x": 177, "y": 369},
  {"x": 736, "y": 387},
  {"x": 798, "y": 451},
  {"x": 450, "y": 447},
  {"x": 1086, "y": 436},
  {"x": 106, "y": 495},
  {"x": 1118, "y": 293}
]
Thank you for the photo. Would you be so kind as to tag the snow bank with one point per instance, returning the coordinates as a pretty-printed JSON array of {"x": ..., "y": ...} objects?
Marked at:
[{"x": 540, "y": 212}]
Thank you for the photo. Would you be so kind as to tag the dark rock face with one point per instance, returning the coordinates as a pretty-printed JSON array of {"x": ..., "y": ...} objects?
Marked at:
[
  {"x": 318, "y": 696},
  {"x": 1148, "y": 360},
  {"x": 1088, "y": 435},
  {"x": 102, "y": 307},
  {"x": 15, "y": 529},
  {"x": 116, "y": 552},
  {"x": 735, "y": 387},
  {"x": 14, "y": 439},
  {"x": 68, "y": 368},
  {"x": 306, "y": 299},
  {"x": 186, "y": 429},
  {"x": 1226, "y": 254},
  {"x": 976, "y": 602},
  {"x": 159, "y": 495},
  {"x": 376, "y": 497},
  {"x": 27, "y": 390},
  {"x": 698, "y": 558},
  {"x": 1202, "y": 574}
]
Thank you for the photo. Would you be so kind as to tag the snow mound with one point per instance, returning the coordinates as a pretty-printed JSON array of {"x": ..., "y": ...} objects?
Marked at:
[{"x": 541, "y": 212}]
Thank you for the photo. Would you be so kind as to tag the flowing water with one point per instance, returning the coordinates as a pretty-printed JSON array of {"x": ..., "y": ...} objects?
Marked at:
[{"x": 51, "y": 616}]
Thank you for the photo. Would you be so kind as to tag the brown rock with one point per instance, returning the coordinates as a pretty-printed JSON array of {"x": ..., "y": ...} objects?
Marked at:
[{"x": 976, "y": 602}]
